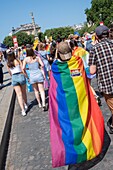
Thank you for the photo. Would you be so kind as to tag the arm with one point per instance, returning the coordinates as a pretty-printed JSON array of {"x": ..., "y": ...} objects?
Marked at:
[
  {"x": 92, "y": 61},
  {"x": 24, "y": 68},
  {"x": 92, "y": 69},
  {"x": 42, "y": 65},
  {"x": 9, "y": 70},
  {"x": 47, "y": 57}
]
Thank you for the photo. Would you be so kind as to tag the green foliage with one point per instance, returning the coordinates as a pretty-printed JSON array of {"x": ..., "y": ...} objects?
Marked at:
[
  {"x": 22, "y": 38},
  {"x": 31, "y": 39},
  {"x": 8, "y": 41},
  {"x": 101, "y": 10},
  {"x": 63, "y": 32},
  {"x": 87, "y": 29}
]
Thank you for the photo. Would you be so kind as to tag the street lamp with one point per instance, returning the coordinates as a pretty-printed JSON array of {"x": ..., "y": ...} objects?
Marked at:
[
  {"x": 100, "y": 15},
  {"x": 13, "y": 30},
  {"x": 33, "y": 22}
]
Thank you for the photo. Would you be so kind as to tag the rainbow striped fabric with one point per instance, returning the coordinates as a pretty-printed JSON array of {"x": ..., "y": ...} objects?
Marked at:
[
  {"x": 81, "y": 52},
  {"x": 47, "y": 48},
  {"x": 76, "y": 121}
]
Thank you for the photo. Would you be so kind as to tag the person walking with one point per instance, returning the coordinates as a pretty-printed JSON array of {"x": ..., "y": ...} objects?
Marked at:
[
  {"x": 101, "y": 63},
  {"x": 45, "y": 58},
  {"x": 37, "y": 75},
  {"x": 15, "y": 69},
  {"x": 20, "y": 55},
  {"x": 76, "y": 121}
]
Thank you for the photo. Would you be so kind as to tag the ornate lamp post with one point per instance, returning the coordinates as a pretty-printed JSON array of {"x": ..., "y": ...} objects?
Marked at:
[
  {"x": 101, "y": 22},
  {"x": 100, "y": 15},
  {"x": 34, "y": 26},
  {"x": 13, "y": 30}
]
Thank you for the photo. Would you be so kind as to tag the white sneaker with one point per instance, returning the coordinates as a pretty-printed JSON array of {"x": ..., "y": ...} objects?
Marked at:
[
  {"x": 23, "y": 113},
  {"x": 39, "y": 105},
  {"x": 26, "y": 107}
]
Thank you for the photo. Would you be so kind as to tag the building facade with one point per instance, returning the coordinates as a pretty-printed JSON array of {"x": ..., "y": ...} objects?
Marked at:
[{"x": 27, "y": 28}]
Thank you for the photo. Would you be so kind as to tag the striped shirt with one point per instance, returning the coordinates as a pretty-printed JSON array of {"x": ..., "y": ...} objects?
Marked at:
[{"x": 101, "y": 55}]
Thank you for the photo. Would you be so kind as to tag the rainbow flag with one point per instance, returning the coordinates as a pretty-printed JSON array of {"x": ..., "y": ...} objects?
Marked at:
[
  {"x": 81, "y": 52},
  {"x": 76, "y": 121},
  {"x": 47, "y": 48}
]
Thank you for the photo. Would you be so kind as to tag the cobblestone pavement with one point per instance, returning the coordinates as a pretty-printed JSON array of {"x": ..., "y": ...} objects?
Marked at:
[{"x": 29, "y": 147}]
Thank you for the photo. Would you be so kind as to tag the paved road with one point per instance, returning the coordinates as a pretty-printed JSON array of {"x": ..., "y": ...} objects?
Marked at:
[{"x": 29, "y": 147}]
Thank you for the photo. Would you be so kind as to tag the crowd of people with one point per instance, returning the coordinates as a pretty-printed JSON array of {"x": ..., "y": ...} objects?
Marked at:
[
  {"x": 40, "y": 60},
  {"x": 51, "y": 62}
]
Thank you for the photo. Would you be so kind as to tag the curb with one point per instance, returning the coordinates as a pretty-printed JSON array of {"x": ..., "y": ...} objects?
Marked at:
[{"x": 6, "y": 133}]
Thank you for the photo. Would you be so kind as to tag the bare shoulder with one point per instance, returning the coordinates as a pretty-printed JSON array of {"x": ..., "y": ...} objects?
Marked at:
[
  {"x": 16, "y": 61},
  {"x": 27, "y": 59}
]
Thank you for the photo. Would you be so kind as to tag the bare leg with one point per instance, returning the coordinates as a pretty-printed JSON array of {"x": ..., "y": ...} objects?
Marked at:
[
  {"x": 42, "y": 93},
  {"x": 23, "y": 89},
  {"x": 19, "y": 96},
  {"x": 36, "y": 91}
]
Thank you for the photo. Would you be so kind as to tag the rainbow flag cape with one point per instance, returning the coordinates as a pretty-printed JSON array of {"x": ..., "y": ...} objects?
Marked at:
[
  {"x": 76, "y": 121},
  {"x": 81, "y": 52}
]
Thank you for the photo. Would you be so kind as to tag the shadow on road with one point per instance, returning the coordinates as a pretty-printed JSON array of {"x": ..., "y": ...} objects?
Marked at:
[
  {"x": 8, "y": 84},
  {"x": 7, "y": 79}
]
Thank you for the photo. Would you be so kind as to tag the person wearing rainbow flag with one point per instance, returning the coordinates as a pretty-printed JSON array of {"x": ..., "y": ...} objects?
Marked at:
[
  {"x": 76, "y": 121},
  {"x": 45, "y": 59}
]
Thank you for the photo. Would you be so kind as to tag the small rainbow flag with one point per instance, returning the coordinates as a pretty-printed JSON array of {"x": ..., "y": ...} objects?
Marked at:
[
  {"x": 81, "y": 52},
  {"x": 76, "y": 121},
  {"x": 47, "y": 48}
]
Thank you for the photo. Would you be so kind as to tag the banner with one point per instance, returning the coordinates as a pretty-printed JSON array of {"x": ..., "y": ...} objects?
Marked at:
[
  {"x": 15, "y": 42},
  {"x": 35, "y": 43}
]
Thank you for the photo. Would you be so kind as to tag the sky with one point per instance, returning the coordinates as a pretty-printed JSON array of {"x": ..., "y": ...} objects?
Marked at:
[{"x": 47, "y": 13}]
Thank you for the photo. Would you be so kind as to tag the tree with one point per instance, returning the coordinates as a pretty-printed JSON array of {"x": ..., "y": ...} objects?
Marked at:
[
  {"x": 63, "y": 32},
  {"x": 8, "y": 41},
  {"x": 22, "y": 38},
  {"x": 101, "y": 10}
]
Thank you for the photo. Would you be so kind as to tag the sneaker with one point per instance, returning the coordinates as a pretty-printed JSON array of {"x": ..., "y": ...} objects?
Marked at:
[
  {"x": 26, "y": 107},
  {"x": 23, "y": 113},
  {"x": 45, "y": 108},
  {"x": 98, "y": 100},
  {"x": 39, "y": 105}
]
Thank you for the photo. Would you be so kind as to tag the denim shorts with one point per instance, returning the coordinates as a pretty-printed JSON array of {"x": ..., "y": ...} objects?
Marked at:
[{"x": 18, "y": 79}]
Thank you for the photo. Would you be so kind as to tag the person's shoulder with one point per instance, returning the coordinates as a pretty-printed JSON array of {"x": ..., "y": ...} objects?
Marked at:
[
  {"x": 27, "y": 59},
  {"x": 96, "y": 45}
]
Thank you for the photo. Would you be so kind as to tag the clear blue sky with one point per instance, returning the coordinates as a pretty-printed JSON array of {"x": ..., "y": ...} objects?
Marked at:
[{"x": 47, "y": 13}]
